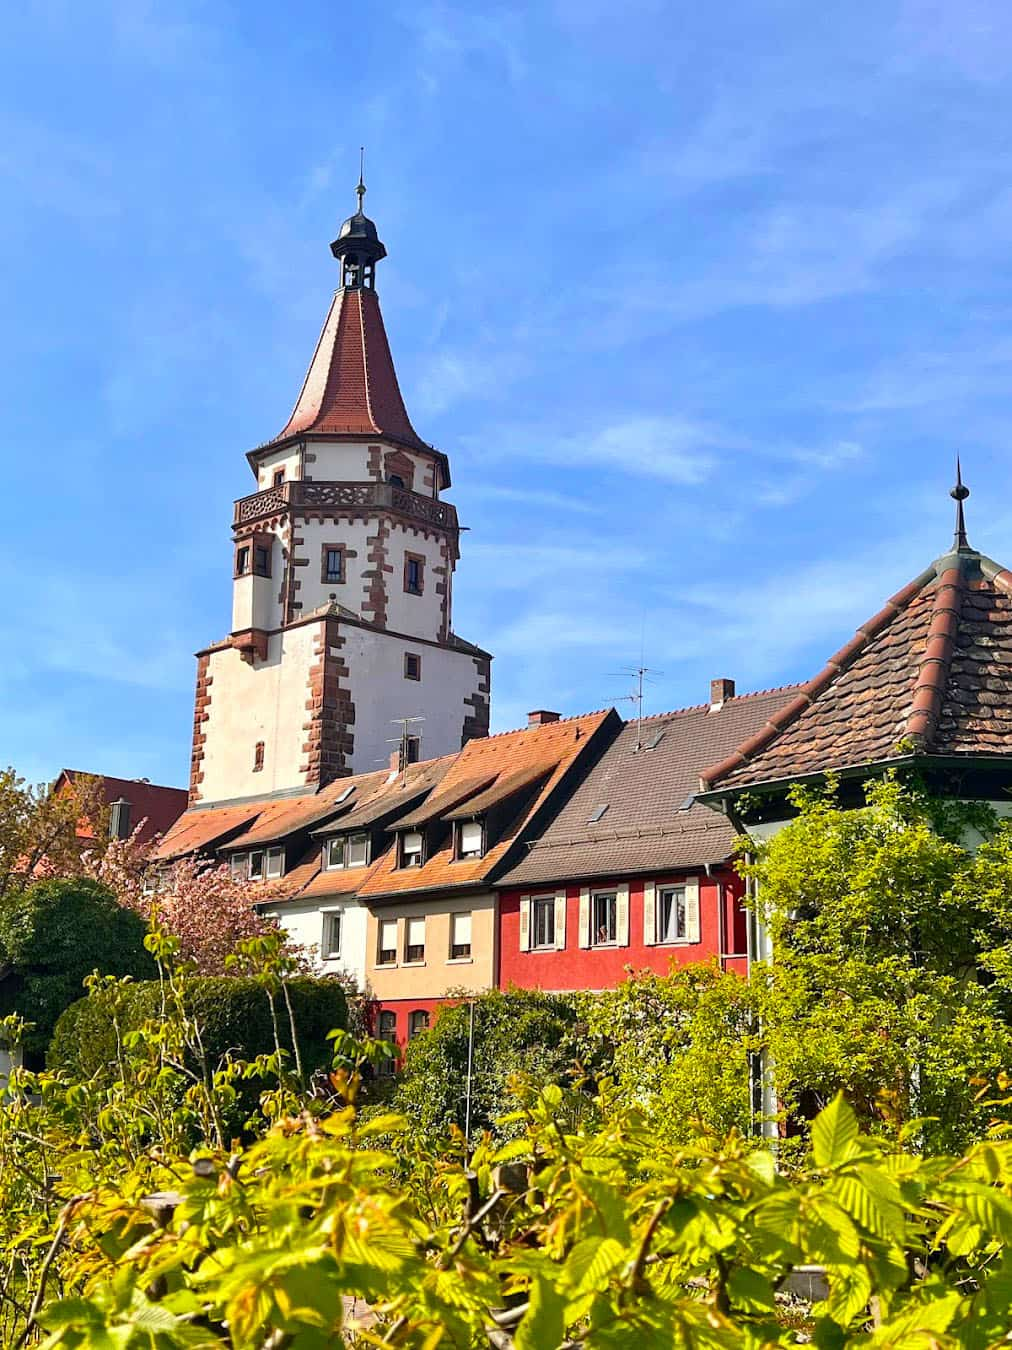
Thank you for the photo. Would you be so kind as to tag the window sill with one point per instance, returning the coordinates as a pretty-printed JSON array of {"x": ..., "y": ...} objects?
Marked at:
[
  {"x": 680, "y": 942},
  {"x": 539, "y": 950},
  {"x": 385, "y": 965},
  {"x": 459, "y": 961},
  {"x": 408, "y": 965}
]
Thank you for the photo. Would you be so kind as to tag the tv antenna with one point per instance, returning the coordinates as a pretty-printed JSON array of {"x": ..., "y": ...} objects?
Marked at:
[
  {"x": 403, "y": 741},
  {"x": 639, "y": 674}
]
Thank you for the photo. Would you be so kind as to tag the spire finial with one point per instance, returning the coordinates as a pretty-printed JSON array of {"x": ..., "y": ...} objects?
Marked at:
[
  {"x": 361, "y": 177},
  {"x": 959, "y": 494}
]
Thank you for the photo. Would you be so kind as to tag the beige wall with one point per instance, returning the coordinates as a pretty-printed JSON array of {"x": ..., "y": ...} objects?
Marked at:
[{"x": 437, "y": 973}]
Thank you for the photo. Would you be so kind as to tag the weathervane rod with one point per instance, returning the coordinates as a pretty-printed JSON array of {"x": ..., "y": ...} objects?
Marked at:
[
  {"x": 361, "y": 176},
  {"x": 959, "y": 494}
]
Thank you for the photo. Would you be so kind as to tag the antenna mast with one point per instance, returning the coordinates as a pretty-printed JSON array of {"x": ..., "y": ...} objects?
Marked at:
[{"x": 403, "y": 741}]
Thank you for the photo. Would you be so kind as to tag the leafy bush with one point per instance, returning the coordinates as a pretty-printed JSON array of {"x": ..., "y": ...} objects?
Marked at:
[
  {"x": 53, "y": 935},
  {"x": 516, "y": 1032},
  {"x": 233, "y": 1015}
]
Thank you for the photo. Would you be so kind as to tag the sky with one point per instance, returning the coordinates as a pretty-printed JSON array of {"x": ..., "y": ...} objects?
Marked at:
[{"x": 701, "y": 302}]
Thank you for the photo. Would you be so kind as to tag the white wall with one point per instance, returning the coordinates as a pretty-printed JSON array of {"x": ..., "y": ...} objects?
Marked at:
[
  {"x": 349, "y": 534},
  {"x": 407, "y": 613},
  {"x": 304, "y": 921},
  {"x": 380, "y": 693},
  {"x": 287, "y": 459},
  {"x": 265, "y": 701}
]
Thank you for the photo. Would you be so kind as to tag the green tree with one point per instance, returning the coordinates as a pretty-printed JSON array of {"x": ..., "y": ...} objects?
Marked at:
[
  {"x": 54, "y": 934},
  {"x": 886, "y": 948},
  {"x": 518, "y": 1034}
]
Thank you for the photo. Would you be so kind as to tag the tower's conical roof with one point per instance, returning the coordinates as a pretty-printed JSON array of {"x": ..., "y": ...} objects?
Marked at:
[
  {"x": 351, "y": 387},
  {"x": 929, "y": 674}
]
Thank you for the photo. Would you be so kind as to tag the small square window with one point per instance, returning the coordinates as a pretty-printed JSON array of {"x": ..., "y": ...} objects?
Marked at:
[
  {"x": 604, "y": 919},
  {"x": 412, "y": 666},
  {"x": 543, "y": 915},
  {"x": 279, "y": 477},
  {"x": 386, "y": 954},
  {"x": 395, "y": 480},
  {"x": 258, "y": 756},
  {"x": 414, "y": 572},
  {"x": 460, "y": 937},
  {"x": 470, "y": 839},
  {"x": 414, "y": 940},
  {"x": 671, "y": 915},
  {"x": 330, "y": 947},
  {"x": 333, "y": 564},
  {"x": 412, "y": 847}
]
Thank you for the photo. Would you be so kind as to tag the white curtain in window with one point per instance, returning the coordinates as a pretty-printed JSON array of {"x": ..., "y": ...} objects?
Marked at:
[
  {"x": 358, "y": 848},
  {"x": 388, "y": 935},
  {"x": 470, "y": 836},
  {"x": 461, "y": 929}
]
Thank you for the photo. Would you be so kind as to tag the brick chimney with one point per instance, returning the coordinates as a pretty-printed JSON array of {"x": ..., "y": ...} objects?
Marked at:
[
  {"x": 720, "y": 692},
  {"x": 540, "y": 717}
]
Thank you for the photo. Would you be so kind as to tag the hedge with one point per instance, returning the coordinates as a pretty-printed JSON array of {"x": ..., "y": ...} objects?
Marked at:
[{"x": 232, "y": 1013}]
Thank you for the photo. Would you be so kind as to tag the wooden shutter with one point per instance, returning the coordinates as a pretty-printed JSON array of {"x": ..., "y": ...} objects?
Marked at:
[
  {"x": 649, "y": 914},
  {"x": 622, "y": 914},
  {"x": 560, "y": 921},
  {"x": 692, "y": 911},
  {"x": 525, "y": 923},
  {"x": 585, "y": 917}
]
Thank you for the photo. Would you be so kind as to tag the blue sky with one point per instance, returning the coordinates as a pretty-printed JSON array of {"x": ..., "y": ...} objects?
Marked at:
[{"x": 700, "y": 300}]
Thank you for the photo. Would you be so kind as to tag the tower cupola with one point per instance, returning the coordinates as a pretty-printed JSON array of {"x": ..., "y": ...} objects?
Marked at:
[{"x": 358, "y": 248}]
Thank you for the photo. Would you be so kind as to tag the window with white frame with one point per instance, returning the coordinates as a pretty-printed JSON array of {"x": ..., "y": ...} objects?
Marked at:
[
  {"x": 470, "y": 839},
  {"x": 386, "y": 946},
  {"x": 603, "y": 918},
  {"x": 672, "y": 914},
  {"x": 412, "y": 846},
  {"x": 543, "y": 919},
  {"x": 330, "y": 947},
  {"x": 460, "y": 937},
  {"x": 414, "y": 940},
  {"x": 258, "y": 864},
  {"x": 347, "y": 850}
]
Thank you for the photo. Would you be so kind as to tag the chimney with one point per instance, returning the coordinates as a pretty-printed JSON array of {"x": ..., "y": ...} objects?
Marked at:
[
  {"x": 540, "y": 717},
  {"x": 119, "y": 819},
  {"x": 720, "y": 692},
  {"x": 395, "y": 760}
]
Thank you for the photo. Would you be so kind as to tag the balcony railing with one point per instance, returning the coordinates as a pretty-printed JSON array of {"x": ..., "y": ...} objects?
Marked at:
[{"x": 368, "y": 496}]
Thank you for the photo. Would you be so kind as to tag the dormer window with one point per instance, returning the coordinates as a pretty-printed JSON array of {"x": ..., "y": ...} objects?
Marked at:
[
  {"x": 257, "y": 865},
  {"x": 412, "y": 848},
  {"x": 347, "y": 850},
  {"x": 470, "y": 839}
]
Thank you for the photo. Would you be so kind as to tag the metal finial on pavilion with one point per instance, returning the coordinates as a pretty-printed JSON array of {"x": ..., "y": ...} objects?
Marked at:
[
  {"x": 959, "y": 494},
  {"x": 361, "y": 178}
]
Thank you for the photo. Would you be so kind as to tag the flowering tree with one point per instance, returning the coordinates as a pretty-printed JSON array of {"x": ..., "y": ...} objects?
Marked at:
[
  {"x": 201, "y": 904},
  {"x": 40, "y": 830}
]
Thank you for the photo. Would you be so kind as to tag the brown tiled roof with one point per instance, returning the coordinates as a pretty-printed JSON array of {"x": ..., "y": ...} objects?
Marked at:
[
  {"x": 550, "y": 749},
  {"x": 158, "y": 807},
  {"x": 645, "y": 827},
  {"x": 351, "y": 386},
  {"x": 391, "y": 796},
  {"x": 931, "y": 673},
  {"x": 196, "y": 831}
]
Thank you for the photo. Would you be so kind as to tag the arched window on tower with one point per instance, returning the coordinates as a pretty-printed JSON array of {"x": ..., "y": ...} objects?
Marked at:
[{"x": 351, "y": 269}]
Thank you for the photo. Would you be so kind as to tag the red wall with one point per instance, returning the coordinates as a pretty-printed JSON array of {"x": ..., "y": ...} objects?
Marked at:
[
  {"x": 403, "y": 1008},
  {"x": 602, "y": 967}
]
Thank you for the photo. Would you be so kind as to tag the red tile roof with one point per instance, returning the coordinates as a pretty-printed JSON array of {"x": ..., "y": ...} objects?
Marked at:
[
  {"x": 351, "y": 387},
  {"x": 545, "y": 753},
  {"x": 930, "y": 673},
  {"x": 158, "y": 807},
  {"x": 196, "y": 831},
  {"x": 646, "y": 827}
]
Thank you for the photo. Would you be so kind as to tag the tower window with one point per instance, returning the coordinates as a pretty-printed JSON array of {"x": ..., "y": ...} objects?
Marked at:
[
  {"x": 414, "y": 573},
  {"x": 261, "y": 560},
  {"x": 279, "y": 477},
  {"x": 413, "y": 748},
  {"x": 242, "y": 560},
  {"x": 333, "y": 564},
  {"x": 395, "y": 480},
  {"x": 258, "y": 756},
  {"x": 412, "y": 666}
]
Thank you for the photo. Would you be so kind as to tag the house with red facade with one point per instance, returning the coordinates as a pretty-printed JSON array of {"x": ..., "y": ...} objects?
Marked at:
[
  {"x": 629, "y": 870},
  {"x": 130, "y": 803}
]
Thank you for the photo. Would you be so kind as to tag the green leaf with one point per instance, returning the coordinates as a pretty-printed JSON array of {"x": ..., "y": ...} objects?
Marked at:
[
  {"x": 835, "y": 1133},
  {"x": 849, "y": 1292},
  {"x": 750, "y": 1291},
  {"x": 543, "y": 1325}
]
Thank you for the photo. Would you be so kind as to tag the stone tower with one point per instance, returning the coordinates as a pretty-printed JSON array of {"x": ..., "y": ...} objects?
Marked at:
[{"x": 342, "y": 579}]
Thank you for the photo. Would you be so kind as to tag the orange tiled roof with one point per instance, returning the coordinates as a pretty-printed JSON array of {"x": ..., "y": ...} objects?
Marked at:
[
  {"x": 931, "y": 673},
  {"x": 542, "y": 752},
  {"x": 198, "y": 830}
]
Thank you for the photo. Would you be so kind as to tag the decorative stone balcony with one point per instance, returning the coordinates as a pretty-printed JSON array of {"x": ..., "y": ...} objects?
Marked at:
[{"x": 367, "y": 496}]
